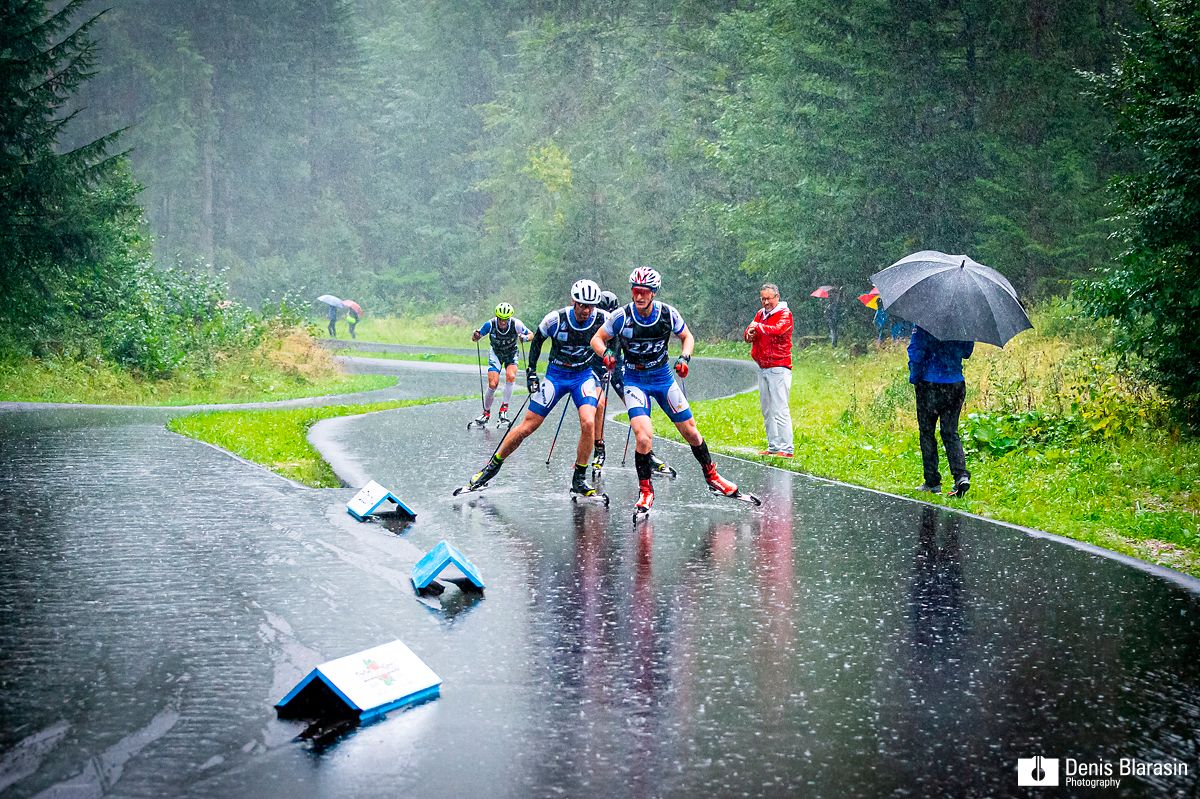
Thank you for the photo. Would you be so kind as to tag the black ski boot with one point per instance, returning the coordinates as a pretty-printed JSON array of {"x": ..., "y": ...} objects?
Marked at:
[
  {"x": 502, "y": 419},
  {"x": 481, "y": 477},
  {"x": 582, "y": 489},
  {"x": 598, "y": 456},
  {"x": 660, "y": 467}
]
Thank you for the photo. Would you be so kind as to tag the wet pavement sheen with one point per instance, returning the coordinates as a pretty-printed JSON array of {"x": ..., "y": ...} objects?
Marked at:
[{"x": 157, "y": 597}]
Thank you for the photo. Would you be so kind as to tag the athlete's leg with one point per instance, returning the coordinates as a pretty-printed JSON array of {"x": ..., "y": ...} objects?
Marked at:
[
  {"x": 510, "y": 378},
  {"x": 516, "y": 435}
]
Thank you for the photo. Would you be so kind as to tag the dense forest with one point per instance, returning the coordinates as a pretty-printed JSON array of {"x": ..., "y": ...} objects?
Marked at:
[{"x": 422, "y": 153}]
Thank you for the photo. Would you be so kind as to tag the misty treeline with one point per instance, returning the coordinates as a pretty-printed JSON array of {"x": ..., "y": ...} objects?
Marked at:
[
  {"x": 450, "y": 153},
  {"x": 434, "y": 151}
]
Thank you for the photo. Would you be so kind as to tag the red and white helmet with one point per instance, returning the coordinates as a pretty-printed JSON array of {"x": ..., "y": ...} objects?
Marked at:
[{"x": 645, "y": 277}]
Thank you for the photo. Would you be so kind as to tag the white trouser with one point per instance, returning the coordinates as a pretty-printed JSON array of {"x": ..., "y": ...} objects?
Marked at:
[{"x": 774, "y": 388}]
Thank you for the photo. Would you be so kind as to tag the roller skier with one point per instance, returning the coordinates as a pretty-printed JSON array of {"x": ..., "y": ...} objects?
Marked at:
[
  {"x": 644, "y": 329},
  {"x": 608, "y": 304},
  {"x": 570, "y": 331},
  {"x": 503, "y": 331}
]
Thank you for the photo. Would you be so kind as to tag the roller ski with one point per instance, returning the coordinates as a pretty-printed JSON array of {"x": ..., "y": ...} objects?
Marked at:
[
  {"x": 660, "y": 468},
  {"x": 645, "y": 500},
  {"x": 502, "y": 419},
  {"x": 480, "y": 421},
  {"x": 481, "y": 478},
  {"x": 581, "y": 489},
  {"x": 723, "y": 488}
]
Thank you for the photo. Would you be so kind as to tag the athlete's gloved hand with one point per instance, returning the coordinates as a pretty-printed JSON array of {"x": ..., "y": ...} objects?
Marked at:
[
  {"x": 681, "y": 365},
  {"x": 532, "y": 383},
  {"x": 610, "y": 362},
  {"x": 475, "y": 336}
]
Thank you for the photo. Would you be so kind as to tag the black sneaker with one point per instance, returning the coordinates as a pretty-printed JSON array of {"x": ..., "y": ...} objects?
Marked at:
[
  {"x": 961, "y": 486},
  {"x": 932, "y": 488}
]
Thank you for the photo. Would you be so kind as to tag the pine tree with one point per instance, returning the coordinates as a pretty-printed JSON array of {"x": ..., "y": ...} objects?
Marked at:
[{"x": 55, "y": 207}]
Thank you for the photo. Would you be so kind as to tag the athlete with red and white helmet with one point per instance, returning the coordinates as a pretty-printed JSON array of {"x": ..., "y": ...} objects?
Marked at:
[
  {"x": 644, "y": 329},
  {"x": 570, "y": 331}
]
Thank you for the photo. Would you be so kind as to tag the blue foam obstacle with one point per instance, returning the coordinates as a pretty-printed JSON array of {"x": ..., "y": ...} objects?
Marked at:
[
  {"x": 437, "y": 560},
  {"x": 368, "y": 500},
  {"x": 364, "y": 685}
]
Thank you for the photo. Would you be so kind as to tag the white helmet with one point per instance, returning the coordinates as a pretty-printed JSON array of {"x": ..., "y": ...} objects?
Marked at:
[
  {"x": 645, "y": 277},
  {"x": 586, "y": 292}
]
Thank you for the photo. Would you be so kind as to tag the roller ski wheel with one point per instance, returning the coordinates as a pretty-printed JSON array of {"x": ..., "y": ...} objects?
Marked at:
[{"x": 594, "y": 497}]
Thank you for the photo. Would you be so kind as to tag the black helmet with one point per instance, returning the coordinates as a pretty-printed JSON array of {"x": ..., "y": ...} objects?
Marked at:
[{"x": 608, "y": 301}]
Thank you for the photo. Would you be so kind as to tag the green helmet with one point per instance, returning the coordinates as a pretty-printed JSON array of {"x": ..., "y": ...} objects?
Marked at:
[{"x": 504, "y": 311}]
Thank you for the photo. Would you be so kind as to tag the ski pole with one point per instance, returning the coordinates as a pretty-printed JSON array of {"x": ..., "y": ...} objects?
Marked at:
[
  {"x": 555, "y": 441},
  {"x": 479, "y": 363},
  {"x": 628, "y": 432},
  {"x": 511, "y": 426}
]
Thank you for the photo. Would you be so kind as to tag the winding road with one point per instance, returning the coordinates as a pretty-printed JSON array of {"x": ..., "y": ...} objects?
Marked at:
[{"x": 158, "y": 596}]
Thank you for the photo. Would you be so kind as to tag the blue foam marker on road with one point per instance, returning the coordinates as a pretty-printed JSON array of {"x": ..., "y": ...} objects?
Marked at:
[
  {"x": 365, "y": 685},
  {"x": 368, "y": 500},
  {"x": 438, "y": 559}
]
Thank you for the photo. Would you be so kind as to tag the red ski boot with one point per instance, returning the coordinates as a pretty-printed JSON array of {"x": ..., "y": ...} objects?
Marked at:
[
  {"x": 645, "y": 499},
  {"x": 718, "y": 484}
]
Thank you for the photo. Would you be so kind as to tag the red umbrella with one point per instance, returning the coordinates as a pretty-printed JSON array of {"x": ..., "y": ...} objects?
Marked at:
[
  {"x": 822, "y": 292},
  {"x": 870, "y": 299},
  {"x": 354, "y": 306}
]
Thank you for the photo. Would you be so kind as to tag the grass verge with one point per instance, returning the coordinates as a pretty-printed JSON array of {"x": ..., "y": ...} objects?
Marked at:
[
  {"x": 284, "y": 367},
  {"x": 430, "y": 357},
  {"x": 1043, "y": 449},
  {"x": 278, "y": 439}
]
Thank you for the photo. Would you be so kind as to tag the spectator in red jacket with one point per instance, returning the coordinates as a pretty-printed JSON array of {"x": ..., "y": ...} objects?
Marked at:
[{"x": 770, "y": 337}]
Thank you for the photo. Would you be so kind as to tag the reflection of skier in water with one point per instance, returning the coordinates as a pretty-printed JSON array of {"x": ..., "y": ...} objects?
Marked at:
[{"x": 608, "y": 304}]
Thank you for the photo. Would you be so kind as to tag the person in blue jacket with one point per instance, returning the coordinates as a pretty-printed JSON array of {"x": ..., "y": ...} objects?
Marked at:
[{"x": 935, "y": 368}]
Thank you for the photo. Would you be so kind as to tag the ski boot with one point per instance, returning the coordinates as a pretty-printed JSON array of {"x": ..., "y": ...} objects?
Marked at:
[
  {"x": 481, "y": 421},
  {"x": 645, "y": 499},
  {"x": 660, "y": 467},
  {"x": 481, "y": 477},
  {"x": 718, "y": 484},
  {"x": 581, "y": 488},
  {"x": 723, "y": 488},
  {"x": 502, "y": 419},
  {"x": 598, "y": 457}
]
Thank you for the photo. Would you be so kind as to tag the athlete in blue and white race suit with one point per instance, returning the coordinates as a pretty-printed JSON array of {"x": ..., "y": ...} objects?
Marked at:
[
  {"x": 644, "y": 329},
  {"x": 503, "y": 330},
  {"x": 609, "y": 304},
  {"x": 570, "y": 331}
]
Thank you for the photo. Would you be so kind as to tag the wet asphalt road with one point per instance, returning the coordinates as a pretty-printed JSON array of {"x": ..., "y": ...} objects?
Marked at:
[{"x": 157, "y": 597}]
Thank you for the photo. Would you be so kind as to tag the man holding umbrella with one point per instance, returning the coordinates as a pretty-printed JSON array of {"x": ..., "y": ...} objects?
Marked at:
[
  {"x": 935, "y": 369},
  {"x": 953, "y": 302}
]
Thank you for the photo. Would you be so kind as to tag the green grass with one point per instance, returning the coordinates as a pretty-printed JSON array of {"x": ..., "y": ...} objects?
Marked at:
[
  {"x": 441, "y": 330},
  {"x": 854, "y": 421},
  {"x": 277, "y": 439},
  {"x": 284, "y": 367}
]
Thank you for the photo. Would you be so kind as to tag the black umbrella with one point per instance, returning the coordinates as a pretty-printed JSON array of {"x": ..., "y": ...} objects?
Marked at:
[{"x": 952, "y": 297}]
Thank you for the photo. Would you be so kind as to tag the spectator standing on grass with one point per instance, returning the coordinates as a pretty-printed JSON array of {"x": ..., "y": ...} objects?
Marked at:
[
  {"x": 332, "y": 321},
  {"x": 833, "y": 315},
  {"x": 881, "y": 325},
  {"x": 770, "y": 337},
  {"x": 352, "y": 320},
  {"x": 935, "y": 368}
]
